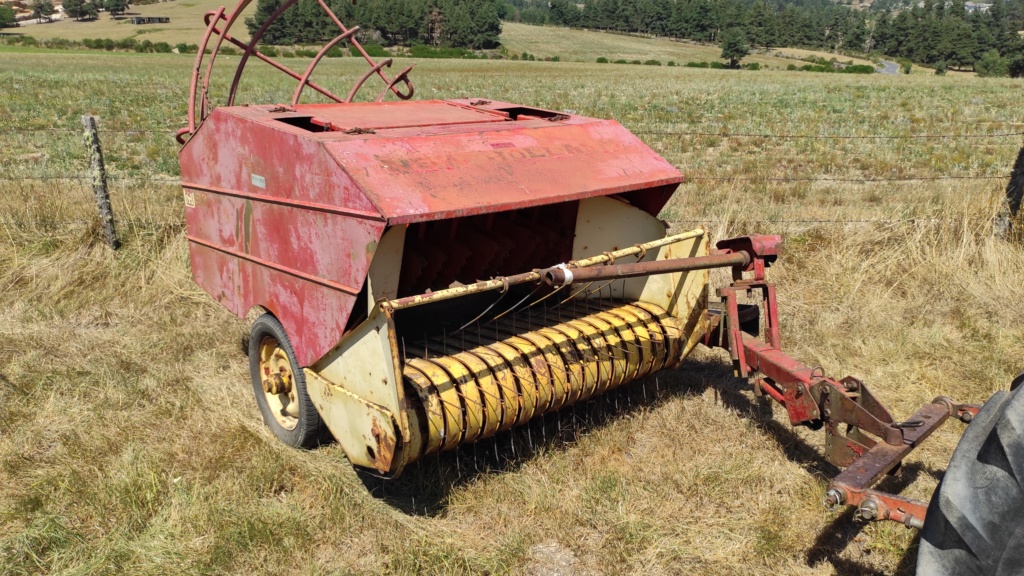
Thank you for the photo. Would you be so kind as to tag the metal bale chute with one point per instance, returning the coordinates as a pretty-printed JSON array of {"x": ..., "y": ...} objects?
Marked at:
[{"x": 427, "y": 274}]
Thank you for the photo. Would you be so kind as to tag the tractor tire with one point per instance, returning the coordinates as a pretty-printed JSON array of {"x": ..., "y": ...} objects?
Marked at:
[
  {"x": 290, "y": 414},
  {"x": 975, "y": 521},
  {"x": 1008, "y": 222},
  {"x": 1015, "y": 189}
]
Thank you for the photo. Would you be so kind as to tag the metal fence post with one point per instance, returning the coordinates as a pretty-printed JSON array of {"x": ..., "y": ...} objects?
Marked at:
[{"x": 99, "y": 182}]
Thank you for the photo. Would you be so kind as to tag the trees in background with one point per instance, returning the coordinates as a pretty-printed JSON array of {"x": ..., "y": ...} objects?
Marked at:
[
  {"x": 115, "y": 7},
  {"x": 923, "y": 31},
  {"x": 7, "y": 16},
  {"x": 734, "y": 46},
  {"x": 79, "y": 9},
  {"x": 472, "y": 24},
  {"x": 992, "y": 64},
  {"x": 43, "y": 10}
]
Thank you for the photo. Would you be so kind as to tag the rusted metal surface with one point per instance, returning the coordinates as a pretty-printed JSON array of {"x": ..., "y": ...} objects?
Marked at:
[
  {"x": 860, "y": 433},
  {"x": 563, "y": 275},
  {"x": 882, "y": 458},
  {"x": 371, "y": 436},
  {"x": 873, "y": 505},
  {"x": 417, "y": 173},
  {"x": 385, "y": 446},
  {"x": 852, "y": 486},
  {"x": 297, "y": 237},
  {"x": 294, "y": 237}
]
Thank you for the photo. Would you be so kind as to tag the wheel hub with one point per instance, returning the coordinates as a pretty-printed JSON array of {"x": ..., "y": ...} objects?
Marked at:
[{"x": 277, "y": 377}]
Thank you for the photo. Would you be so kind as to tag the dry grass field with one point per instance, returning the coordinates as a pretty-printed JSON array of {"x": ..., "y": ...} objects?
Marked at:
[
  {"x": 543, "y": 42},
  {"x": 587, "y": 46},
  {"x": 130, "y": 444},
  {"x": 186, "y": 24}
]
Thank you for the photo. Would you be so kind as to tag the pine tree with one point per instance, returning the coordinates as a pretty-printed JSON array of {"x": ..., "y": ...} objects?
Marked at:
[
  {"x": 564, "y": 13},
  {"x": 6, "y": 16},
  {"x": 43, "y": 9},
  {"x": 73, "y": 8},
  {"x": 734, "y": 46},
  {"x": 115, "y": 7},
  {"x": 964, "y": 47},
  {"x": 276, "y": 33},
  {"x": 992, "y": 65},
  {"x": 486, "y": 25},
  {"x": 761, "y": 25},
  {"x": 90, "y": 10}
]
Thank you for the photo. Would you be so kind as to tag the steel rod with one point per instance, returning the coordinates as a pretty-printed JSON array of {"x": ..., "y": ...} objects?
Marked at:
[{"x": 563, "y": 276}]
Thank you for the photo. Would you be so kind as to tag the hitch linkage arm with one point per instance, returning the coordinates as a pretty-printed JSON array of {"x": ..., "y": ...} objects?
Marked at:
[{"x": 872, "y": 443}]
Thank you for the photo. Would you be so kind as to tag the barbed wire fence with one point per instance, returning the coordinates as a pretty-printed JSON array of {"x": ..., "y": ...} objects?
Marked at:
[{"x": 84, "y": 178}]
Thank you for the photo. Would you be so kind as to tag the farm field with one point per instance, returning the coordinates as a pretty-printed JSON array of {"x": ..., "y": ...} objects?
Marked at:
[
  {"x": 186, "y": 24},
  {"x": 587, "y": 46},
  {"x": 541, "y": 41},
  {"x": 130, "y": 442}
]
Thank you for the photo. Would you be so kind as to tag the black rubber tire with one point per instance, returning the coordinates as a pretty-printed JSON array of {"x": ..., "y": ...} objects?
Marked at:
[
  {"x": 1015, "y": 189},
  {"x": 975, "y": 521},
  {"x": 310, "y": 431}
]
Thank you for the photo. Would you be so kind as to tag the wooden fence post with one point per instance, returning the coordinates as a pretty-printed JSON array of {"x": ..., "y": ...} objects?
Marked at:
[{"x": 99, "y": 182}]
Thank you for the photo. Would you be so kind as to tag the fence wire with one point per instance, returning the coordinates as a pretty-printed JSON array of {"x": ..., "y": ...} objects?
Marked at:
[
  {"x": 769, "y": 136},
  {"x": 172, "y": 181},
  {"x": 170, "y": 131}
]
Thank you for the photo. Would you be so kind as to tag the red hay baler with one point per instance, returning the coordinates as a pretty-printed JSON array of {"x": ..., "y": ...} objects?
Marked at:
[{"x": 426, "y": 274}]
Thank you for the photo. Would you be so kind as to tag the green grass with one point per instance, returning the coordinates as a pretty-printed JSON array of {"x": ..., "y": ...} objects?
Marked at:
[{"x": 129, "y": 441}]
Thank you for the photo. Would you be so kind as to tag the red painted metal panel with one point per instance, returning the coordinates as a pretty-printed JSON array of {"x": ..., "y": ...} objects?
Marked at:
[
  {"x": 321, "y": 245},
  {"x": 217, "y": 273},
  {"x": 312, "y": 314},
  {"x": 384, "y": 115},
  {"x": 233, "y": 151},
  {"x": 289, "y": 218},
  {"x": 274, "y": 221},
  {"x": 421, "y": 178}
]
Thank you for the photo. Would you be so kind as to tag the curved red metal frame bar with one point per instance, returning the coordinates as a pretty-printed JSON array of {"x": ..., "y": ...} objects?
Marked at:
[{"x": 199, "y": 92}]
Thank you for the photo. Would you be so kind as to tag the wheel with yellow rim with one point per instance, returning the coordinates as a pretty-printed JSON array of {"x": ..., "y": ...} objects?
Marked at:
[{"x": 280, "y": 387}]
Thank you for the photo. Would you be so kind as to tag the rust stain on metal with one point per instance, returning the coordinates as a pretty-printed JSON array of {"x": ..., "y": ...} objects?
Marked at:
[{"x": 385, "y": 450}]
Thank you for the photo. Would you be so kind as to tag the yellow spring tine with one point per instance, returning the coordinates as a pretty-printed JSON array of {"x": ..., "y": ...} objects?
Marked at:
[
  {"x": 572, "y": 361},
  {"x": 642, "y": 338},
  {"x": 602, "y": 353},
  {"x": 469, "y": 393},
  {"x": 559, "y": 376},
  {"x": 628, "y": 342},
  {"x": 431, "y": 401},
  {"x": 524, "y": 379},
  {"x": 613, "y": 345},
  {"x": 506, "y": 382},
  {"x": 454, "y": 417},
  {"x": 535, "y": 362},
  {"x": 674, "y": 335},
  {"x": 589, "y": 370},
  {"x": 659, "y": 344},
  {"x": 489, "y": 391}
]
